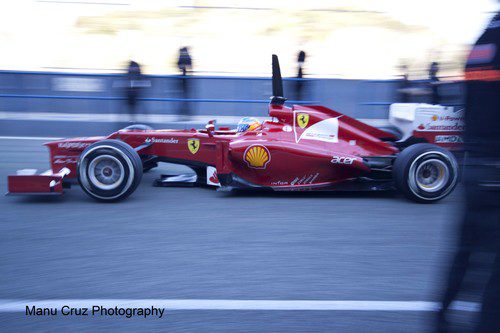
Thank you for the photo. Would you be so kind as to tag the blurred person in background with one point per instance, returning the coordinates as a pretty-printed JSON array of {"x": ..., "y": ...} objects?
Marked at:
[
  {"x": 404, "y": 85},
  {"x": 480, "y": 227},
  {"x": 407, "y": 91},
  {"x": 299, "y": 83},
  {"x": 184, "y": 63},
  {"x": 434, "y": 82},
  {"x": 134, "y": 84}
]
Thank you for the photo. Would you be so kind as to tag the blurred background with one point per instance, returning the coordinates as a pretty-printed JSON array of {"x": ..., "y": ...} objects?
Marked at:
[
  {"x": 69, "y": 59},
  {"x": 346, "y": 39},
  {"x": 75, "y": 68}
]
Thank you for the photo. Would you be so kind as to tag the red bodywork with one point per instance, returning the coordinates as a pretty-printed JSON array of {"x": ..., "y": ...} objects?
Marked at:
[
  {"x": 46, "y": 183},
  {"x": 304, "y": 147}
]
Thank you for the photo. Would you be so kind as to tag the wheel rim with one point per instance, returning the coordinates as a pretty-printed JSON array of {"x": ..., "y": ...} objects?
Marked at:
[
  {"x": 106, "y": 172},
  {"x": 432, "y": 175}
]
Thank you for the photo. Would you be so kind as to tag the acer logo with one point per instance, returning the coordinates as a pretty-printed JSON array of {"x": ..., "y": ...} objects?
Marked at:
[{"x": 342, "y": 160}]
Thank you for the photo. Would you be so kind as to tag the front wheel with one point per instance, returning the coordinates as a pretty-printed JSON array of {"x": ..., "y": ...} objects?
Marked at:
[
  {"x": 425, "y": 173},
  {"x": 109, "y": 170}
]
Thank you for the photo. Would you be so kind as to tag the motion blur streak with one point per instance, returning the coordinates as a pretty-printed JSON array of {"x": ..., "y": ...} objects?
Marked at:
[{"x": 479, "y": 229}]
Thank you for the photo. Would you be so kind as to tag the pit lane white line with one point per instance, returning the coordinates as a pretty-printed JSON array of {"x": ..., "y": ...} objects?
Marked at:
[{"x": 19, "y": 305}]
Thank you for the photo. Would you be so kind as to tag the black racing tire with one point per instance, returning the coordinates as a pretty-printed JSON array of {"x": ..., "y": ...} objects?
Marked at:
[
  {"x": 138, "y": 127},
  {"x": 425, "y": 173},
  {"x": 109, "y": 170}
]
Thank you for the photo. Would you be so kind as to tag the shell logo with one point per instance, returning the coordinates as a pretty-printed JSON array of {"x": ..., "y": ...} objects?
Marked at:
[
  {"x": 257, "y": 157},
  {"x": 434, "y": 118}
]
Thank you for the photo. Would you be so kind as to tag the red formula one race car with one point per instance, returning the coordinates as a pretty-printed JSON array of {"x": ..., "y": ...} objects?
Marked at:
[{"x": 301, "y": 148}]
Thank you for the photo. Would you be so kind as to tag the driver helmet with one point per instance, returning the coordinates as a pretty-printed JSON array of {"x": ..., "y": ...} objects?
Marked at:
[{"x": 248, "y": 124}]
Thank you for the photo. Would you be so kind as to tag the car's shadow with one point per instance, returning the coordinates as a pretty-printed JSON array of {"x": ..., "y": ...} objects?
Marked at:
[
  {"x": 311, "y": 194},
  {"x": 75, "y": 196},
  {"x": 35, "y": 198}
]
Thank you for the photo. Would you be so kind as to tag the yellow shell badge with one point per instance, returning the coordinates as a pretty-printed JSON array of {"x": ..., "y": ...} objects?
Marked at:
[
  {"x": 302, "y": 119},
  {"x": 193, "y": 145},
  {"x": 257, "y": 157}
]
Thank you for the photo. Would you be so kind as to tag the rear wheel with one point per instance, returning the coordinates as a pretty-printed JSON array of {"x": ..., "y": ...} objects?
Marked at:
[
  {"x": 109, "y": 170},
  {"x": 425, "y": 172}
]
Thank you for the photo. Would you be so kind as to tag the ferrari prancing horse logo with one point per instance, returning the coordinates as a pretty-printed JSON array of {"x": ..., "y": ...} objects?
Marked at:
[
  {"x": 302, "y": 119},
  {"x": 193, "y": 145}
]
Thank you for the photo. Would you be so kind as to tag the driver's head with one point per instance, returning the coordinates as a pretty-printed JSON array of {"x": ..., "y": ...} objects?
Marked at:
[{"x": 248, "y": 124}]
